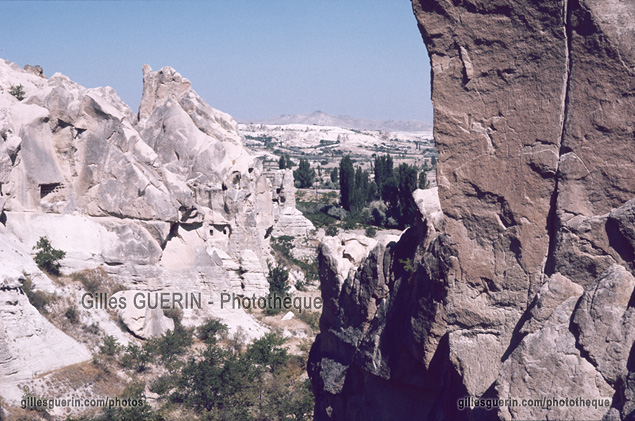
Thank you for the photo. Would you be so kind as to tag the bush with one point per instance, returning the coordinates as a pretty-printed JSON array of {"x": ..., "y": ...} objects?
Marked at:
[
  {"x": 47, "y": 258},
  {"x": 311, "y": 318},
  {"x": 93, "y": 280},
  {"x": 110, "y": 346},
  {"x": 309, "y": 267},
  {"x": 331, "y": 231},
  {"x": 371, "y": 232},
  {"x": 140, "y": 410},
  {"x": 71, "y": 315},
  {"x": 38, "y": 299},
  {"x": 378, "y": 217},
  {"x": 278, "y": 286},
  {"x": 175, "y": 314},
  {"x": 337, "y": 212},
  {"x": 283, "y": 245},
  {"x": 349, "y": 223},
  {"x": 208, "y": 331},
  {"x": 136, "y": 358},
  {"x": 17, "y": 91},
  {"x": 172, "y": 344},
  {"x": 408, "y": 265},
  {"x": 269, "y": 352}
]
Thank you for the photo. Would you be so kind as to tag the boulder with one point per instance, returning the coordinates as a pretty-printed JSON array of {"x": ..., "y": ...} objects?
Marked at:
[{"x": 140, "y": 317}]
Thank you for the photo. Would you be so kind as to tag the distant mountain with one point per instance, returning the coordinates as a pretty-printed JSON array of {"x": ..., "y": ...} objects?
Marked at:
[{"x": 322, "y": 119}]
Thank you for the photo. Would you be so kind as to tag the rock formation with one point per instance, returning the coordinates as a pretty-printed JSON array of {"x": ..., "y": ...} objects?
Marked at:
[
  {"x": 164, "y": 200},
  {"x": 522, "y": 289}
]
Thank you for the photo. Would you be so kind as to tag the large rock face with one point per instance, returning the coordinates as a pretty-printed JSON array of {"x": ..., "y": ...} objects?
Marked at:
[
  {"x": 166, "y": 200},
  {"x": 147, "y": 196},
  {"x": 524, "y": 290}
]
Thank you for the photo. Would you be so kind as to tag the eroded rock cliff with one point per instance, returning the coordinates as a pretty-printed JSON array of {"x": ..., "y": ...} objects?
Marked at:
[
  {"x": 524, "y": 290},
  {"x": 166, "y": 200}
]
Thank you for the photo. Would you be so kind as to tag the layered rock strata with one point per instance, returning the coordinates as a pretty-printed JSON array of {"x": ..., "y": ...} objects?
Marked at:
[{"x": 524, "y": 289}]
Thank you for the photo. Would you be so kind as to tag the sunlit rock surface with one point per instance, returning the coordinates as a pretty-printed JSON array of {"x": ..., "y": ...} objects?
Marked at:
[
  {"x": 519, "y": 285},
  {"x": 166, "y": 199}
]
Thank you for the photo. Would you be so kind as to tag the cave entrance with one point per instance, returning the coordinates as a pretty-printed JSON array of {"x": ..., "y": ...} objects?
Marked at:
[{"x": 46, "y": 189}]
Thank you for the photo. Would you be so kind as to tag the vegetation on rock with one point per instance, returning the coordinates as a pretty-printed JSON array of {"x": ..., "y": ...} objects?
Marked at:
[{"x": 48, "y": 258}]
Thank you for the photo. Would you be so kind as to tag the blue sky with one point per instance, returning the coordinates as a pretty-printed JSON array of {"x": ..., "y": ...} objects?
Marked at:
[{"x": 251, "y": 58}]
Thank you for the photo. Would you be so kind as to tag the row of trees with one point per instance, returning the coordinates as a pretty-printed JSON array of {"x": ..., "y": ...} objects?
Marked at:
[{"x": 394, "y": 186}]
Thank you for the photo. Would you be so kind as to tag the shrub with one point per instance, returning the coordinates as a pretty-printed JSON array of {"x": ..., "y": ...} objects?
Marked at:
[
  {"x": 349, "y": 223},
  {"x": 71, "y": 315},
  {"x": 283, "y": 245},
  {"x": 47, "y": 258},
  {"x": 17, "y": 91},
  {"x": 172, "y": 344},
  {"x": 140, "y": 410},
  {"x": 278, "y": 286},
  {"x": 209, "y": 329},
  {"x": 331, "y": 231},
  {"x": 94, "y": 280},
  {"x": 136, "y": 358},
  {"x": 378, "y": 217},
  {"x": 268, "y": 351},
  {"x": 371, "y": 232},
  {"x": 38, "y": 299},
  {"x": 93, "y": 329},
  {"x": 175, "y": 314},
  {"x": 408, "y": 265},
  {"x": 337, "y": 212},
  {"x": 110, "y": 346},
  {"x": 309, "y": 267}
]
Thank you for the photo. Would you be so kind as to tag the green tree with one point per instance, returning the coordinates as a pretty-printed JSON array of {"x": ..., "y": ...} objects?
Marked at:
[
  {"x": 397, "y": 194},
  {"x": 171, "y": 344},
  {"x": 335, "y": 176},
  {"x": 110, "y": 346},
  {"x": 423, "y": 180},
  {"x": 304, "y": 175},
  {"x": 278, "y": 278},
  {"x": 347, "y": 181},
  {"x": 269, "y": 352},
  {"x": 47, "y": 258},
  {"x": 208, "y": 331},
  {"x": 407, "y": 176},
  {"x": 361, "y": 190},
  {"x": 390, "y": 196},
  {"x": 285, "y": 162},
  {"x": 383, "y": 170},
  {"x": 17, "y": 91}
]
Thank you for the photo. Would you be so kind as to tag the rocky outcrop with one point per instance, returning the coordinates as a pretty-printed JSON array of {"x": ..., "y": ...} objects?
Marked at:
[
  {"x": 147, "y": 196},
  {"x": 30, "y": 345},
  {"x": 521, "y": 288},
  {"x": 166, "y": 200}
]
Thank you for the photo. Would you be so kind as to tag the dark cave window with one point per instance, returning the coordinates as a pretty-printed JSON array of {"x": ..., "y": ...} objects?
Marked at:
[{"x": 46, "y": 189}]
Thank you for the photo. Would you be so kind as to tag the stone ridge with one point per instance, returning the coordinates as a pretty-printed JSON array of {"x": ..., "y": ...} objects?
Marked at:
[
  {"x": 164, "y": 200},
  {"x": 525, "y": 289}
]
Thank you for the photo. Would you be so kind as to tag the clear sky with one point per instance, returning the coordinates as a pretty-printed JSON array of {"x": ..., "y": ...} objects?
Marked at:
[{"x": 251, "y": 58}]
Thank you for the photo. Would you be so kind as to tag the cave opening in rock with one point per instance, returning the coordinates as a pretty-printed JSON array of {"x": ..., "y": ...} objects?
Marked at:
[{"x": 46, "y": 189}]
